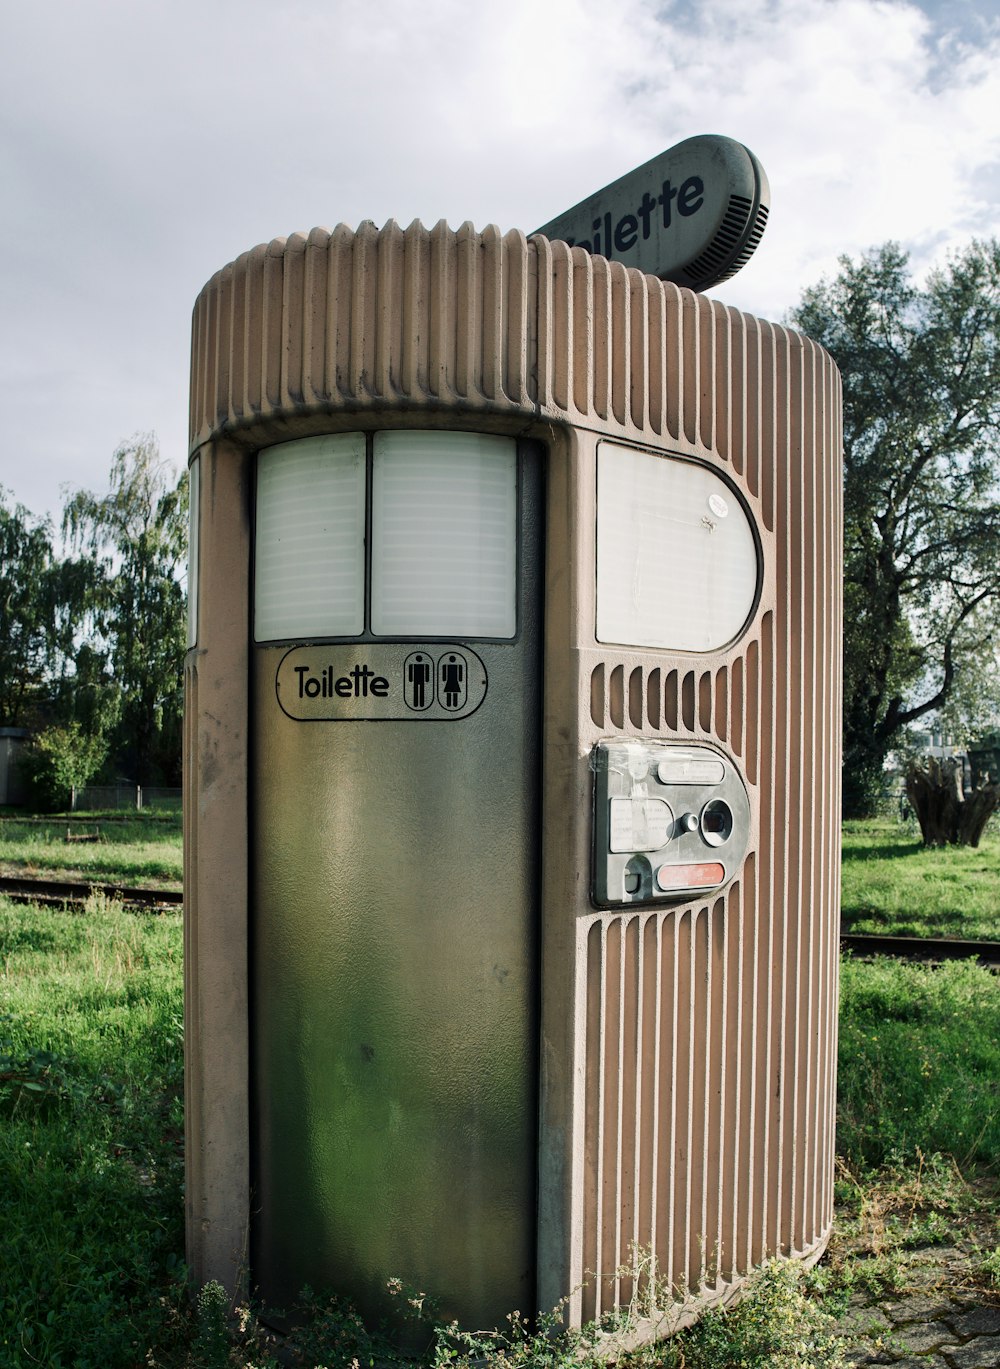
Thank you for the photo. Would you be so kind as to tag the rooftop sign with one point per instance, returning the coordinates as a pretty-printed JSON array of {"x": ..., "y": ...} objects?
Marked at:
[{"x": 693, "y": 215}]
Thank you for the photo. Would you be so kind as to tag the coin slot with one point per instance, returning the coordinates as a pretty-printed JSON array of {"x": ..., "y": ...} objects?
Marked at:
[
  {"x": 637, "y": 878},
  {"x": 716, "y": 822}
]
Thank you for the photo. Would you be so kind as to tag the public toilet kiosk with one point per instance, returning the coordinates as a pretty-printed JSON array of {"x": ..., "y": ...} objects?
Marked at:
[{"x": 512, "y": 778}]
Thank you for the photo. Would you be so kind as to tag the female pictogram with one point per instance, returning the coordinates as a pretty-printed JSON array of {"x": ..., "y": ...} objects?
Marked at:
[{"x": 452, "y": 680}]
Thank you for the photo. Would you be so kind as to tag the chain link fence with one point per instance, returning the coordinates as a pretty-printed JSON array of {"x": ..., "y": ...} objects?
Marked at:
[{"x": 124, "y": 796}]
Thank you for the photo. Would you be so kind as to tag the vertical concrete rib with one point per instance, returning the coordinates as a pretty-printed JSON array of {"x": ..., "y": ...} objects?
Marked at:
[
  {"x": 621, "y": 343},
  {"x": 440, "y": 246},
  {"x": 238, "y": 403},
  {"x": 469, "y": 315},
  {"x": 727, "y": 383},
  {"x": 224, "y": 342},
  {"x": 491, "y": 286},
  {"x": 690, "y": 349},
  {"x": 638, "y": 287},
  {"x": 516, "y": 336},
  {"x": 656, "y": 357},
  {"x": 414, "y": 311},
  {"x": 364, "y": 306},
  {"x": 812, "y": 612},
  {"x": 647, "y": 1113},
  {"x": 557, "y": 316},
  {"x": 594, "y": 1110},
  {"x": 740, "y": 436},
  {"x": 676, "y": 364},
  {"x": 603, "y": 337},
  {"x": 339, "y": 281},
  {"x": 271, "y": 324},
  {"x": 387, "y": 342},
  {"x": 798, "y": 929},
  {"x": 213, "y": 396},
  {"x": 715, "y": 1143},
  {"x": 314, "y": 304},
  {"x": 708, "y": 338},
  {"x": 609, "y": 1192},
  {"x": 628, "y": 1107},
  {"x": 292, "y": 322},
  {"x": 667, "y": 1167}
]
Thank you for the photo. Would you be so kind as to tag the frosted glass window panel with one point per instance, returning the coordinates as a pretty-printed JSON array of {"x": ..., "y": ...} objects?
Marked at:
[
  {"x": 444, "y": 535},
  {"x": 194, "y": 532},
  {"x": 677, "y": 563},
  {"x": 310, "y": 539}
]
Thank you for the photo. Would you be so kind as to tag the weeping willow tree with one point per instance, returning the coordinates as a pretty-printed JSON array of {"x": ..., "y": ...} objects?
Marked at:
[{"x": 135, "y": 537}]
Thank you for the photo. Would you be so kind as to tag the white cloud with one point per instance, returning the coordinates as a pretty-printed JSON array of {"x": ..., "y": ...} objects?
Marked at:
[{"x": 144, "y": 145}]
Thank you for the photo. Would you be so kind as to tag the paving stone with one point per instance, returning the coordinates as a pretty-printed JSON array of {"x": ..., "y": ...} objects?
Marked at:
[
  {"x": 920, "y": 1307},
  {"x": 981, "y": 1353},
  {"x": 976, "y": 1321},
  {"x": 921, "y": 1362},
  {"x": 922, "y": 1336},
  {"x": 929, "y": 1276}
]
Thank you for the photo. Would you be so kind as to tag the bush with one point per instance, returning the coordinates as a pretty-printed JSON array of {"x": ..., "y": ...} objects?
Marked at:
[{"x": 59, "y": 760}]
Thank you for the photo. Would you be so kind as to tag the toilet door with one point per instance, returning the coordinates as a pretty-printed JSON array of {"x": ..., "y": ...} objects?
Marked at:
[{"x": 395, "y": 836}]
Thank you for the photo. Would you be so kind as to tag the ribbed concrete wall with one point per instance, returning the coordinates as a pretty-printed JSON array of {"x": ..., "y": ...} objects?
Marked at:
[
  {"x": 711, "y": 1030},
  {"x": 688, "y": 1054},
  {"x": 478, "y": 321}
]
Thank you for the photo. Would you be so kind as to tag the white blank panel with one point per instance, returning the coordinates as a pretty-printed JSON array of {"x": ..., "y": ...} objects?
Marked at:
[
  {"x": 310, "y": 539},
  {"x": 444, "y": 533},
  {"x": 677, "y": 563}
]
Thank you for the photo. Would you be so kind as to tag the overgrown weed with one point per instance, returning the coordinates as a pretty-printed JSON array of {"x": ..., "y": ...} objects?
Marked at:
[
  {"x": 776, "y": 1324},
  {"x": 910, "y": 1224}
]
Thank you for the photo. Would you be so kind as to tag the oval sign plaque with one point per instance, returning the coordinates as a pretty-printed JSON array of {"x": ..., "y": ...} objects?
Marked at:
[{"x": 380, "y": 681}]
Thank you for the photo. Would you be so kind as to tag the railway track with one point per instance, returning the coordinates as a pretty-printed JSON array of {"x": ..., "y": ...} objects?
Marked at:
[
  {"x": 73, "y": 893},
  {"x": 929, "y": 950}
]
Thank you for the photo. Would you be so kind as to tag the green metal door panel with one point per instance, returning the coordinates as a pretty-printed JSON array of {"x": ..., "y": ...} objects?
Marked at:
[{"x": 395, "y": 987}]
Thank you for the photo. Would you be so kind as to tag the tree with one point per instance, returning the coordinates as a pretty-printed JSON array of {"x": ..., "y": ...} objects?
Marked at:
[
  {"x": 921, "y": 374},
  {"x": 26, "y": 564},
  {"x": 136, "y": 537},
  {"x": 62, "y": 759},
  {"x": 948, "y": 815},
  {"x": 81, "y": 686}
]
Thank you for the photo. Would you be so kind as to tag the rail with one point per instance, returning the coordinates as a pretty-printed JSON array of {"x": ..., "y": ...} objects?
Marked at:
[{"x": 73, "y": 893}]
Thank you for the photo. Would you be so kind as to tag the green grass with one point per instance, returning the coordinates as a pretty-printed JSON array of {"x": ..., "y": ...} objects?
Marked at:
[
  {"x": 893, "y": 887},
  {"x": 136, "y": 851},
  {"x": 919, "y": 1062},
  {"x": 91, "y": 1240},
  {"x": 91, "y": 1165}
]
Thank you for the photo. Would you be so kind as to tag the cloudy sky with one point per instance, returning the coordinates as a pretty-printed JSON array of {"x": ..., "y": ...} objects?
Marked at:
[{"x": 145, "y": 143}]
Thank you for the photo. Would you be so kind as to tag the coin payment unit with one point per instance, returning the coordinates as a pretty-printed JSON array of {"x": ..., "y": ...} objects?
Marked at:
[{"x": 670, "y": 823}]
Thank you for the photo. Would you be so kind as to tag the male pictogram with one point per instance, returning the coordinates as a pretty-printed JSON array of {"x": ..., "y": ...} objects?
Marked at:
[
  {"x": 452, "y": 680},
  {"x": 418, "y": 677}
]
